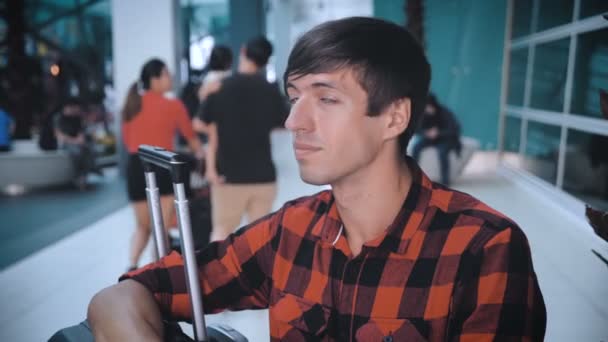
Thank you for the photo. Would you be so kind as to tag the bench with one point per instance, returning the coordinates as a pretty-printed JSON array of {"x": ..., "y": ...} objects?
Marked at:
[
  {"x": 429, "y": 159},
  {"x": 27, "y": 166}
]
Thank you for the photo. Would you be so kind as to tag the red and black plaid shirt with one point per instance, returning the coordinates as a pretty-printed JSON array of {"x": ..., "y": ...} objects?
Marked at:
[{"x": 448, "y": 268}]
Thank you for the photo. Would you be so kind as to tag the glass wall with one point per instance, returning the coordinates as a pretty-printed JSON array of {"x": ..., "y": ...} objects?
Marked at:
[
  {"x": 555, "y": 128},
  {"x": 206, "y": 23},
  {"x": 549, "y": 75},
  {"x": 51, "y": 50}
]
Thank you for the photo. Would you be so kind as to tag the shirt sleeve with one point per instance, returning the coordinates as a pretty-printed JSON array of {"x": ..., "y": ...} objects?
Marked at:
[
  {"x": 498, "y": 298},
  {"x": 183, "y": 121},
  {"x": 234, "y": 274}
]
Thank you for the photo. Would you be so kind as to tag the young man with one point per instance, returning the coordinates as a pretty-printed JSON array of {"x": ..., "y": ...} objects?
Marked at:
[
  {"x": 439, "y": 128},
  {"x": 70, "y": 131},
  {"x": 239, "y": 118},
  {"x": 385, "y": 255}
]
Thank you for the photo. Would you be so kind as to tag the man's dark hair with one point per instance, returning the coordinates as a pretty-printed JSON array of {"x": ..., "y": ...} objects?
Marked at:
[
  {"x": 258, "y": 50},
  {"x": 221, "y": 58},
  {"x": 388, "y": 61}
]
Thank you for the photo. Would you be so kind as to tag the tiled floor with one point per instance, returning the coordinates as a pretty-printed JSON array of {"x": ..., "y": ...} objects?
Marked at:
[{"x": 51, "y": 288}]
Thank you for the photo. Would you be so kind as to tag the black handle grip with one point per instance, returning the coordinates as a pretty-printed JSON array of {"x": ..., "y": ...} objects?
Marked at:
[{"x": 158, "y": 156}]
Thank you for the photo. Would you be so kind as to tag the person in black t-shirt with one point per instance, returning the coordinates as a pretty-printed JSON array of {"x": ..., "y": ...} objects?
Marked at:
[
  {"x": 70, "y": 133},
  {"x": 239, "y": 117}
]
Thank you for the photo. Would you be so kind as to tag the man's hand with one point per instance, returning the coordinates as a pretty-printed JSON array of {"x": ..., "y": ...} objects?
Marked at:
[
  {"x": 126, "y": 311},
  {"x": 209, "y": 89},
  {"x": 199, "y": 126},
  {"x": 213, "y": 177}
]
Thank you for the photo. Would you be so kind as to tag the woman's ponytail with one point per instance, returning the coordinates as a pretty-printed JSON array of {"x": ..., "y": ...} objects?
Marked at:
[{"x": 132, "y": 104}]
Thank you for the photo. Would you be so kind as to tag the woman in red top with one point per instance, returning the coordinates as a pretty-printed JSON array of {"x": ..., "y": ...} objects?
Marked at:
[{"x": 153, "y": 119}]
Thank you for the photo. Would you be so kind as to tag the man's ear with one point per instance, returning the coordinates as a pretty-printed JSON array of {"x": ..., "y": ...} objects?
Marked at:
[{"x": 398, "y": 117}]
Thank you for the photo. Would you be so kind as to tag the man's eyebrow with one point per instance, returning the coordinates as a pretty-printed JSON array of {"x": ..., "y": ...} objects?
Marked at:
[
  {"x": 324, "y": 85},
  {"x": 319, "y": 84}
]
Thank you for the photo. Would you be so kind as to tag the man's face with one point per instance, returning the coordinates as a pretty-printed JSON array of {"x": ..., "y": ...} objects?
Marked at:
[
  {"x": 333, "y": 136},
  {"x": 71, "y": 110}
]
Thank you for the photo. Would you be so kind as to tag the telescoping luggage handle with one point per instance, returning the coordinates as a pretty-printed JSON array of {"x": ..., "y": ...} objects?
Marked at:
[{"x": 155, "y": 156}]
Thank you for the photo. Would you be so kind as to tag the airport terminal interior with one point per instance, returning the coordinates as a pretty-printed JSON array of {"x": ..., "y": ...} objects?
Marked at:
[{"x": 527, "y": 80}]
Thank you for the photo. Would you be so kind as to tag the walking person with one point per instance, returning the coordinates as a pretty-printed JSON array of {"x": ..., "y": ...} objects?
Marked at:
[
  {"x": 151, "y": 118},
  {"x": 239, "y": 118}
]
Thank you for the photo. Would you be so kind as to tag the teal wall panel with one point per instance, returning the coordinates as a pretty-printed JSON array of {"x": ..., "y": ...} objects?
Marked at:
[
  {"x": 391, "y": 10},
  {"x": 464, "y": 41},
  {"x": 247, "y": 20}
]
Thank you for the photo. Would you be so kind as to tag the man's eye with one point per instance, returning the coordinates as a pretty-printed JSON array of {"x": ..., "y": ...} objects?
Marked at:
[
  {"x": 293, "y": 100},
  {"x": 327, "y": 100}
]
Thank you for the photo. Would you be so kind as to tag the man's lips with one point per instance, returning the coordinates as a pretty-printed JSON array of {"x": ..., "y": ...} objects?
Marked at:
[{"x": 302, "y": 150}]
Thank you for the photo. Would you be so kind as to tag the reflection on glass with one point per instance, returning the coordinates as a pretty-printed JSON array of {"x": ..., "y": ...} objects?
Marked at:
[
  {"x": 554, "y": 13},
  {"x": 512, "y": 134},
  {"x": 593, "y": 7},
  {"x": 209, "y": 25},
  {"x": 517, "y": 76},
  {"x": 549, "y": 75},
  {"x": 65, "y": 30},
  {"x": 590, "y": 73},
  {"x": 522, "y": 17},
  {"x": 586, "y": 168},
  {"x": 39, "y": 12},
  {"x": 542, "y": 150}
]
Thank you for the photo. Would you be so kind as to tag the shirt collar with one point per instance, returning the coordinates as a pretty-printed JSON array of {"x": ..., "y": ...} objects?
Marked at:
[{"x": 399, "y": 233}]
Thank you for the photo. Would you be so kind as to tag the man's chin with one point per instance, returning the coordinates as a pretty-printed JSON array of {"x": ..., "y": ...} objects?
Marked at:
[{"x": 313, "y": 179}]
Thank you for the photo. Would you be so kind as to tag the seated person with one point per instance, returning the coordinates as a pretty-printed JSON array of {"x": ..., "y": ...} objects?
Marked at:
[
  {"x": 440, "y": 129},
  {"x": 7, "y": 127},
  {"x": 386, "y": 254},
  {"x": 71, "y": 137}
]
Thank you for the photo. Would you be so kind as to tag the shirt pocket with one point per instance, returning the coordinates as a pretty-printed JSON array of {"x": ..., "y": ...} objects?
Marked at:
[
  {"x": 293, "y": 317},
  {"x": 389, "y": 330}
]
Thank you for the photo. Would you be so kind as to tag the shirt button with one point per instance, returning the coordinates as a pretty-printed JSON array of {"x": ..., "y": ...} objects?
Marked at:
[{"x": 387, "y": 339}]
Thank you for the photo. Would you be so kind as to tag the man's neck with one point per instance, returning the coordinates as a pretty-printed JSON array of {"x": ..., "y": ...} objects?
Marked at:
[
  {"x": 369, "y": 201},
  {"x": 248, "y": 68}
]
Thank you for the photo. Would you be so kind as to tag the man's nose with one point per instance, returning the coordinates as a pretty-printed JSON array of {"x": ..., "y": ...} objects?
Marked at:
[{"x": 299, "y": 117}]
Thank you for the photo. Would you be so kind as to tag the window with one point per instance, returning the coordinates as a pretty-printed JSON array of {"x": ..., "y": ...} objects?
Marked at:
[
  {"x": 590, "y": 73},
  {"x": 549, "y": 75},
  {"x": 593, "y": 7},
  {"x": 547, "y": 29},
  {"x": 517, "y": 76},
  {"x": 512, "y": 135},
  {"x": 542, "y": 150},
  {"x": 522, "y": 18},
  {"x": 554, "y": 13},
  {"x": 586, "y": 168}
]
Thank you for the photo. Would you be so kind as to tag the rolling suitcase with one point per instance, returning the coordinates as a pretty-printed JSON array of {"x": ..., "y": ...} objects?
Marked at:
[{"x": 154, "y": 157}]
